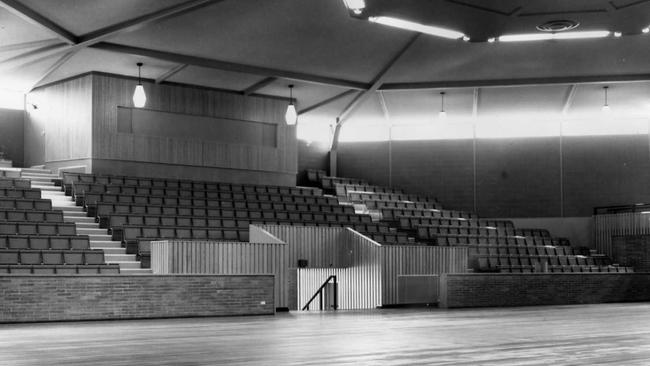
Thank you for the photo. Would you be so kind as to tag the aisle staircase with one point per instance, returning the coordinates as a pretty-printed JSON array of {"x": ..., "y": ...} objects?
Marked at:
[{"x": 99, "y": 239}]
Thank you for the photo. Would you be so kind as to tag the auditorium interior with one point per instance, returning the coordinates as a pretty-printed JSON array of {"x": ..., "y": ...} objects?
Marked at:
[{"x": 203, "y": 182}]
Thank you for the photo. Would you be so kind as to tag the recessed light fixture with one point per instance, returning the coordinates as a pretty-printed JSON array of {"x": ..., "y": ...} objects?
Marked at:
[
  {"x": 417, "y": 27},
  {"x": 547, "y": 36},
  {"x": 356, "y": 6},
  {"x": 491, "y": 40}
]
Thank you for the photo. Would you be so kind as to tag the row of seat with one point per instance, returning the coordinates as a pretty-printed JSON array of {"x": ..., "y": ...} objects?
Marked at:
[
  {"x": 454, "y": 240},
  {"x": 316, "y": 175},
  {"x": 45, "y": 242},
  {"x": 9, "y": 173},
  {"x": 91, "y": 199},
  {"x": 396, "y": 238},
  {"x": 69, "y": 178},
  {"x": 31, "y": 215},
  {"x": 393, "y": 214},
  {"x": 342, "y": 189},
  {"x": 379, "y": 204},
  {"x": 560, "y": 269},
  {"x": 538, "y": 261},
  {"x": 365, "y": 196},
  {"x": 15, "y": 183},
  {"x": 26, "y": 204},
  {"x": 105, "y": 269},
  {"x": 543, "y": 250},
  {"x": 51, "y": 257},
  {"x": 129, "y": 234},
  {"x": 80, "y": 190},
  {"x": 212, "y": 221},
  {"x": 106, "y": 209},
  {"x": 29, "y": 193},
  {"x": 410, "y": 222},
  {"x": 37, "y": 228},
  {"x": 329, "y": 182},
  {"x": 426, "y": 232}
]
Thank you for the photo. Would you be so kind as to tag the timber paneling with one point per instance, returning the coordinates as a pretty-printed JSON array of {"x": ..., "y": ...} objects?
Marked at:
[
  {"x": 417, "y": 260},
  {"x": 110, "y": 92},
  {"x": 201, "y": 257}
]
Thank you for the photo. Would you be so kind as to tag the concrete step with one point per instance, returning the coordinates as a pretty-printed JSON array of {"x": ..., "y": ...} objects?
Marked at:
[
  {"x": 126, "y": 265},
  {"x": 91, "y": 231},
  {"x": 87, "y": 225},
  {"x": 34, "y": 171},
  {"x": 136, "y": 271},
  {"x": 111, "y": 258},
  {"x": 67, "y": 208},
  {"x": 73, "y": 214},
  {"x": 47, "y": 183},
  {"x": 39, "y": 177},
  {"x": 48, "y": 189},
  {"x": 79, "y": 219},
  {"x": 106, "y": 244},
  {"x": 112, "y": 251}
]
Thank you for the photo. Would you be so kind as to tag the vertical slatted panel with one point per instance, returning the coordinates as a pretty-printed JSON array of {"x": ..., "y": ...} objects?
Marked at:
[
  {"x": 359, "y": 285},
  {"x": 412, "y": 260},
  {"x": 319, "y": 245},
  {"x": 179, "y": 256},
  {"x": 628, "y": 223}
]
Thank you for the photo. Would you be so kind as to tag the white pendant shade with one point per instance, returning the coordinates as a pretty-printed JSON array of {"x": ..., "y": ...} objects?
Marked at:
[
  {"x": 139, "y": 97},
  {"x": 291, "y": 117}
]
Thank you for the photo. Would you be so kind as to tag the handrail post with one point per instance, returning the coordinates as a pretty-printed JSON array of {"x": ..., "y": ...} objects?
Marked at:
[{"x": 336, "y": 290}]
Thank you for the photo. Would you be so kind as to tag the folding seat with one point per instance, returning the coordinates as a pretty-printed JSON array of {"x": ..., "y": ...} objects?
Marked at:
[
  {"x": 22, "y": 204},
  {"x": 564, "y": 261},
  {"x": 59, "y": 243},
  {"x": 493, "y": 251},
  {"x": 8, "y": 228},
  {"x": 54, "y": 216},
  {"x": 109, "y": 269},
  {"x": 63, "y": 228},
  {"x": 30, "y": 257},
  {"x": 21, "y": 216},
  {"x": 20, "y": 269},
  {"x": 163, "y": 232},
  {"x": 87, "y": 269},
  {"x": 319, "y": 217},
  {"x": 41, "y": 229},
  {"x": 180, "y": 233},
  {"x": 254, "y": 214},
  {"x": 143, "y": 232},
  {"x": 180, "y": 221},
  {"x": 215, "y": 234},
  {"x": 230, "y": 235},
  {"x": 4, "y": 242},
  {"x": 52, "y": 257},
  {"x": 39, "y": 243},
  {"x": 43, "y": 270},
  {"x": 18, "y": 242},
  {"x": 492, "y": 241},
  {"x": 572, "y": 260},
  {"x": 73, "y": 258}
]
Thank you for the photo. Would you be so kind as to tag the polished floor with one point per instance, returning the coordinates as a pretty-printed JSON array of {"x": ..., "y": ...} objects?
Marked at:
[{"x": 616, "y": 334}]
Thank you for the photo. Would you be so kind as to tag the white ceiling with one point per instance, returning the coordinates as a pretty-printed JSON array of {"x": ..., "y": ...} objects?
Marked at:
[{"x": 317, "y": 45}]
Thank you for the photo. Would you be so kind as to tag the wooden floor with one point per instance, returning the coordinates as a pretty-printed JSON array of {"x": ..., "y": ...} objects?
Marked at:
[{"x": 617, "y": 334}]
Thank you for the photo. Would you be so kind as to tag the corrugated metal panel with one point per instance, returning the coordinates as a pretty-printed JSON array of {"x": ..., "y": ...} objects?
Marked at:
[
  {"x": 359, "y": 284},
  {"x": 606, "y": 226},
  {"x": 179, "y": 256},
  {"x": 321, "y": 246},
  {"x": 413, "y": 260}
]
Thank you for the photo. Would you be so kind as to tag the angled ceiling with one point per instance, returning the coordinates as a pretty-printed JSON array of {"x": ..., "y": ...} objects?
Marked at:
[{"x": 258, "y": 46}]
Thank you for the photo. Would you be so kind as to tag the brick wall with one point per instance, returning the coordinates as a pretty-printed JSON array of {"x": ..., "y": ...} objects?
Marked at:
[
  {"x": 56, "y": 298},
  {"x": 632, "y": 251},
  {"x": 480, "y": 290}
]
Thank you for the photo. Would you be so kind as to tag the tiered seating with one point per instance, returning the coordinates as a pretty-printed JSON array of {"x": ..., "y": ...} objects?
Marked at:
[
  {"x": 9, "y": 173},
  {"x": 328, "y": 183},
  {"x": 315, "y": 176},
  {"x": 35, "y": 240}
]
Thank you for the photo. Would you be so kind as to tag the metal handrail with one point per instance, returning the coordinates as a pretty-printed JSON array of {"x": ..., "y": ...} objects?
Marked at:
[{"x": 320, "y": 292}]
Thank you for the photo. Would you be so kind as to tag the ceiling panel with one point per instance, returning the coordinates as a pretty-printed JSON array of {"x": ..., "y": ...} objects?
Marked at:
[
  {"x": 214, "y": 78},
  {"x": 14, "y": 30}
]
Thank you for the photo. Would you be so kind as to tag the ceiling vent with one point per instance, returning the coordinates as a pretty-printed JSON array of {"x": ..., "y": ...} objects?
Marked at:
[{"x": 558, "y": 25}]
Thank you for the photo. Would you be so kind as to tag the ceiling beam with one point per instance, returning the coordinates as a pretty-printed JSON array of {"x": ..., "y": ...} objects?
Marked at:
[
  {"x": 384, "y": 106},
  {"x": 227, "y": 66},
  {"x": 22, "y": 46},
  {"x": 127, "y": 26},
  {"x": 259, "y": 85},
  {"x": 31, "y": 16},
  {"x": 142, "y": 21},
  {"x": 171, "y": 72},
  {"x": 594, "y": 79},
  {"x": 568, "y": 98},
  {"x": 326, "y": 101},
  {"x": 376, "y": 83},
  {"x": 37, "y": 55},
  {"x": 55, "y": 66}
]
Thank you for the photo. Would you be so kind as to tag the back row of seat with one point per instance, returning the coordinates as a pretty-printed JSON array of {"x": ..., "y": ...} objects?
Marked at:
[
  {"x": 410, "y": 205},
  {"x": 411, "y": 222},
  {"x": 515, "y": 250},
  {"x": 344, "y": 189},
  {"x": 453, "y": 240},
  {"x": 69, "y": 178},
  {"x": 393, "y": 214},
  {"x": 91, "y": 200},
  {"x": 26, "y": 204},
  {"x": 550, "y": 264},
  {"x": 425, "y": 232},
  {"x": 366, "y": 196},
  {"x": 51, "y": 257},
  {"x": 329, "y": 182},
  {"x": 37, "y": 228},
  {"x": 13, "y": 192},
  {"x": 66, "y": 269}
]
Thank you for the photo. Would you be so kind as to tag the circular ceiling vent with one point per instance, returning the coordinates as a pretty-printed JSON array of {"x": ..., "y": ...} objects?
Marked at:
[{"x": 558, "y": 25}]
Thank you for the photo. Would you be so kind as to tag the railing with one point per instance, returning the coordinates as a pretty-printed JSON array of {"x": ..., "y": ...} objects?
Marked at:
[
  {"x": 643, "y": 208},
  {"x": 319, "y": 293}
]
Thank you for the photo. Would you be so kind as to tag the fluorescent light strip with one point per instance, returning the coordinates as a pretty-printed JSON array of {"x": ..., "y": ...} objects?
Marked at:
[
  {"x": 547, "y": 36},
  {"x": 412, "y": 26}
]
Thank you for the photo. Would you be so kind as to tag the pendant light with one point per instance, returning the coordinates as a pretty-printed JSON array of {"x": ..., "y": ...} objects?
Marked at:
[
  {"x": 139, "y": 97},
  {"x": 291, "y": 117},
  {"x": 606, "y": 108},
  {"x": 442, "y": 113}
]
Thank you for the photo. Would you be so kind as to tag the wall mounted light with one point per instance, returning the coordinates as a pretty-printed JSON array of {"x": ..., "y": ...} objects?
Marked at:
[
  {"x": 442, "y": 113},
  {"x": 606, "y": 108},
  {"x": 139, "y": 97},
  {"x": 291, "y": 117}
]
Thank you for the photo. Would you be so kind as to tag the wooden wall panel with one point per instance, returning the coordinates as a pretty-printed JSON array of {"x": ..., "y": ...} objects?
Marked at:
[
  {"x": 61, "y": 128},
  {"x": 12, "y": 128},
  {"x": 416, "y": 260},
  {"x": 359, "y": 285},
  {"x": 194, "y": 257},
  {"x": 606, "y": 226},
  {"x": 111, "y": 92}
]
